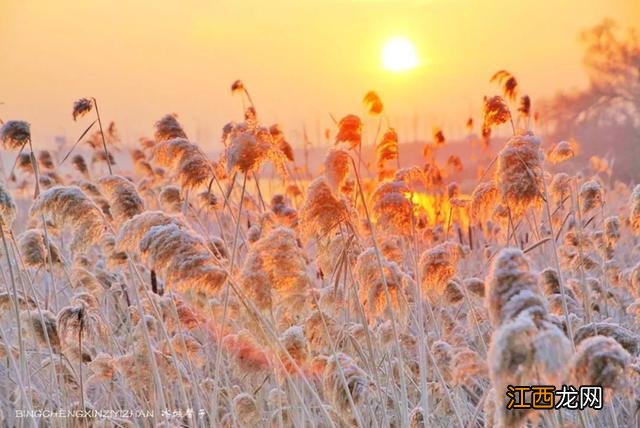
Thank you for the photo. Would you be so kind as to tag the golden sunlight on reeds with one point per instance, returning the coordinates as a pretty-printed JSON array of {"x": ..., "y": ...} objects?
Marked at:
[{"x": 365, "y": 279}]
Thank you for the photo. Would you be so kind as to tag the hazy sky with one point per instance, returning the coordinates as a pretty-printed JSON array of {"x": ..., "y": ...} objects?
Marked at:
[{"x": 301, "y": 60}]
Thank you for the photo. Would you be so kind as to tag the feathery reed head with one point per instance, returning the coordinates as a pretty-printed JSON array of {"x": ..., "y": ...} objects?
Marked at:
[
  {"x": 82, "y": 107},
  {"x": 600, "y": 360},
  {"x": 190, "y": 166},
  {"x": 132, "y": 231},
  {"x": 512, "y": 288},
  {"x": 350, "y": 130},
  {"x": 386, "y": 150},
  {"x": 168, "y": 128},
  {"x": 280, "y": 142},
  {"x": 336, "y": 168},
  {"x": 519, "y": 173},
  {"x": 36, "y": 250},
  {"x": 625, "y": 337},
  {"x": 357, "y": 384},
  {"x": 391, "y": 208},
  {"x": 41, "y": 326},
  {"x": 15, "y": 134},
  {"x": 45, "y": 160},
  {"x": 373, "y": 288},
  {"x": 438, "y": 266},
  {"x": 591, "y": 196},
  {"x": 483, "y": 200},
  {"x": 563, "y": 151},
  {"x": 183, "y": 258},
  {"x": 495, "y": 112},
  {"x": 438, "y": 136},
  {"x": 123, "y": 197},
  {"x": 68, "y": 206},
  {"x": 276, "y": 265},
  {"x": 525, "y": 106},
  {"x": 249, "y": 148},
  {"x": 508, "y": 82},
  {"x": 373, "y": 103},
  {"x": 322, "y": 211},
  {"x": 560, "y": 187},
  {"x": 80, "y": 164},
  {"x": 170, "y": 199}
]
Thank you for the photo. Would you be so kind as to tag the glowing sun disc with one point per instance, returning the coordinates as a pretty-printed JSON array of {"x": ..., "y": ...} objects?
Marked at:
[{"x": 399, "y": 54}]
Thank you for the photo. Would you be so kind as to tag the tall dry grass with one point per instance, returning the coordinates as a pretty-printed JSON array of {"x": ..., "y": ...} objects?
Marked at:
[{"x": 202, "y": 292}]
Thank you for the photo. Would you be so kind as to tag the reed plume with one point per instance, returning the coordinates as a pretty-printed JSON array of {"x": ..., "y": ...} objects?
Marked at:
[
  {"x": 526, "y": 347},
  {"x": 246, "y": 352},
  {"x": 274, "y": 272},
  {"x": 350, "y": 131},
  {"x": 438, "y": 266},
  {"x": 322, "y": 211},
  {"x": 187, "y": 162},
  {"x": 475, "y": 285},
  {"x": 70, "y": 207},
  {"x": 371, "y": 286},
  {"x": 36, "y": 250},
  {"x": 293, "y": 340},
  {"x": 612, "y": 227},
  {"x": 591, "y": 196},
  {"x": 563, "y": 151},
  {"x": 373, "y": 103},
  {"x": 168, "y": 128},
  {"x": 525, "y": 106},
  {"x": 246, "y": 410},
  {"x": 248, "y": 146},
  {"x": 41, "y": 326},
  {"x": 336, "y": 168},
  {"x": 495, "y": 113},
  {"x": 391, "y": 208},
  {"x": 386, "y": 150},
  {"x": 171, "y": 200},
  {"x": 280, "y": 142},
  {"x": 80, "y": 165},
  {"x": 45, "y": 160},
  {"x": 508, "y": 82},
  {"x": 81, "y": 107},
  {"x": 133, "y": 230},
  {"x": 600, "y": 360},
  {"x": 124, "y": 200},
  {"x": 511, "y": 279},
  {"x": 483, "y": 200},
  {"x": 208, "y": 201},
  {"x": 560, "y": 187},
  {"x": 625, "y": 337},
  {"x": 438, "y": 136},
  {"x": 24, "y": 164},
  {"x": 15, "y": 134},
  {"x": 285, "y": 215},
  {"x": 519, "y": 173},
  {"x": 184, "y": 258},
  {"x": 80, "y": 330},
  {"x": 103, "y": 368},
  {"x": 357, "y": 384}
]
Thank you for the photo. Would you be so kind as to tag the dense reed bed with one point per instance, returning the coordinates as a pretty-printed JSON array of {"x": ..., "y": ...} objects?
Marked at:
[{"x": 243, "y": 291}]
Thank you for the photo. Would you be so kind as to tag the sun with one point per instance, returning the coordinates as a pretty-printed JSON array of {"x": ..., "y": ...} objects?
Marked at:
[{"x": 399, "y": 54}]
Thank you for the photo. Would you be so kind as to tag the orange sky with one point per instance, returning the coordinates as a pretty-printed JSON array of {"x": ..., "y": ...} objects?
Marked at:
[{"x": 299, "y": 59}]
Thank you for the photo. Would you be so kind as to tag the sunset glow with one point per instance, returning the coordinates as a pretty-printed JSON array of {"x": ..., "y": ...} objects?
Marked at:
[
  {"x": 399, "y": 54},
  {"x": 282, "y": 52},
  {"x": 327, "y": 213}
]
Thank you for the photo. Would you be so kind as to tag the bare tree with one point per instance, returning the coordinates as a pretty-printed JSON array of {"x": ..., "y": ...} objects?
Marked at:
[{"x": 606, "y": 115}]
